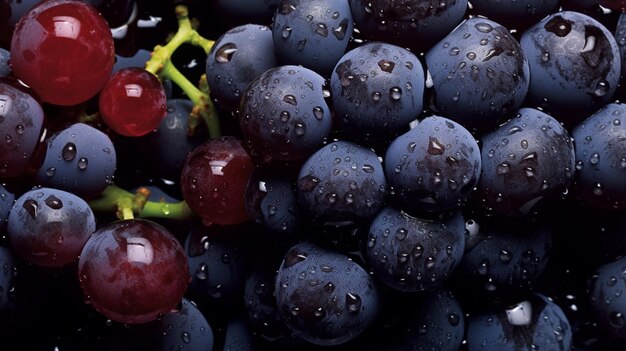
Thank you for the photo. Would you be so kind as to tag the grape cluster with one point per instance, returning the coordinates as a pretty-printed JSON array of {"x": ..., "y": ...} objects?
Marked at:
[{"x": 298, "y": 175}]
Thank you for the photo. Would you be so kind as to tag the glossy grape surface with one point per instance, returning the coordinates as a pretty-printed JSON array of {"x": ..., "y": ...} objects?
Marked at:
[{"x": 63, "y": 49}]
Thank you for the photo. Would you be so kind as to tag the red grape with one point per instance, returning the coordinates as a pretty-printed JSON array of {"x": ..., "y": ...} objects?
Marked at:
[
  {"x": 132, "y": 102},
  {"x": 63, "y": 49},
  {"x": 214, "y": 180},
  {"x": 132, "y": 271}
]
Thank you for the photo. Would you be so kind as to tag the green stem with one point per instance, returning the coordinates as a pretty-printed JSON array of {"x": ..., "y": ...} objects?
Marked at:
[{"x": 128, "y": 205}]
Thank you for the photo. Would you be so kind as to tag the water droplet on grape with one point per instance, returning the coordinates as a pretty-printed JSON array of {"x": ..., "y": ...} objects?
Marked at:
[
  {"x": 225, "y": 53},
  {"x": 69, "y": 152}
]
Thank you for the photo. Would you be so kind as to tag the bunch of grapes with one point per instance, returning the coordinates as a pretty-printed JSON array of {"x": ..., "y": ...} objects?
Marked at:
[{"x": 305, "y": 175}]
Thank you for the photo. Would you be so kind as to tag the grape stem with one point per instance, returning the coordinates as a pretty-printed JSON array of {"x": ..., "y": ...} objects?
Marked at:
[
  {"x": 160, "y": 64},
  {"x": 128, "y": 205}
]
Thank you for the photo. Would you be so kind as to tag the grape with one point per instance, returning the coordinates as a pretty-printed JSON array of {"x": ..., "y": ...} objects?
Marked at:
[
  {"x": 49, "y": 227},
  {"x": 601, "y": 158},
  {"x": 620, "y": 38},
  {"x": 313, "y": 34},
  {"x": 434, "y": 166},
  {"x": 133, "y": 271},
  {"x": 417, "y": 24},
  {"x": 236, "y": 59},
  {"x": 377, "y": 90},
  {"x": 536, "y": 323},
  {"x": 63, "y": 49},
  {"x": 214, "y": 180},
  {"x": 6, "y": 202},
  {"x": 185, "y": 329},
  {"x": 342, "y": 182},
  {"x": 574, "y": 65},
  {"x": 324, "y": 297},
  {"x": 79, "y": 159},
  {"x": 283, "y": 114},
  {"x": 21, "y": 121},
  {"x": 414, "y": 254},
  {"x": 480, "y": 74},
  {"x": 132, "y": 102},
  {"x": 526, "y": 159},
  {"x": 5, "y": 69},
  {"x": 607, "y": 303}
]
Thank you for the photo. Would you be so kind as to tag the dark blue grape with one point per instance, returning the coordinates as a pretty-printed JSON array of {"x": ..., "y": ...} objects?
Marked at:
[
  {"x": 49, "y": 227},
  {"x": 502, "y": 261},
  {"x": 236, "y": 59},
  {"x": 185, "y": 330},
  {"x": 414, "y": 254},
  {"x": 272, "y": 202},
  {"x": 416, "y": 24},
  {"x": 342, "y": 182},
  {"x": 435, "y": 321},
  {"x": 601, "y": 158},
  {"x": 533, "y": 324},
  {"x": 515, "y": 14},
  {"x": 5, "y": 69},
  {"x": 574, "y": 64},
  {"x": 479, "y": 74},
  {"x": 218, "y": 266},
  {"x": 608, "y": 304},
  {"x": 6, "y": 202},
  {"x": 324, "y": 297},
  {"x": 434, "y": 166},
  {"x": 79, "y": 159},
  {"x": 526, "y": 159},
  {"x": 283, "y": 113},
  {"x": 314, "y": 34},
  {"x": 377, "y": 90},
  {"x": 21, "y": 121},
  {"x": 620, "y": 38},
  {"x": 163, "y": 152}
]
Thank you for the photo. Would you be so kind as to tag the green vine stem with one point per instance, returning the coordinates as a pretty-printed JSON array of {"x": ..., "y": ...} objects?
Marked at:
[
  {"x": 127, "y": 205},
  {"x": 161, "y": 65}
]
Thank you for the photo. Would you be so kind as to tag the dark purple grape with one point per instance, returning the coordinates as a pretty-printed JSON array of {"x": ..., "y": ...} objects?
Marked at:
[
  {"x": 314, "y": 34},
  {"x": 342, "y": 182},
  {"x": 272, "y": 202},
  {"x": 607, "y": 302},
  {"x": 620, "y": 38},
  {"x": 6, "y": 202},
  {"x": 133, "y": 271},
  {"x": 283, "y": 114},
  {"x": 79, "y": 159},
  {"x": 533, "y": 324},
  {"x": 433, "y": 166},
  {"x": 601, "y": 158},
  {"x": 515, "y": 14},
  {"x": 502, "y": 261},
  {"x": 21, "y": 121},
  {"x": 218, "y": 265},
  {"x": 324, "y": 297},
  {"x": 416, "y": 24},
  {"x": 434, "y": 321},
  {"x": 480, "y": 74},
  {"x": 185, "y": 330},
  {"x": 377, "y": 89},
  {"x": 526, "y": 159},
  {"x": 49, "y": 227},
  {"x": 414, "y": 254},
  {"x": 574, "y": 64},
  {"x": 237, "y": 58}
]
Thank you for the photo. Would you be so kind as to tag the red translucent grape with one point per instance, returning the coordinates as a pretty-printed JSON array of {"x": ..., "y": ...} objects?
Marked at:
[
  {"x": 214, "y": 180},
  {"x": 63, "y": 49},
  {"x": 132, "y": 271},
  {"x": 132, "y": 102}
]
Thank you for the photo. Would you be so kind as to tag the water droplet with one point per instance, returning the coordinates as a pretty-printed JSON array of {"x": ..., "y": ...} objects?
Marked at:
[
  {"x": 545, "y": 57},
  {"x": 401, "y": 234},
  {"x": 505, "y": 256},
  {"x": 471, "y": 55},
  {"x": 502, "y": 169},
  {"x": 454, "y": 51},
  {"x": 290, "y": 99},
  {"x": 321, "y": 29},
  {"x": 19, "y": 129},
  {"x": 340, "y": 32},
  {"x": 185, "y": 337},
  {"x": 54, "y": 202},
  {"x": 616, "y": 319},
  {"x": 286, "y": 32},
  {"x": 524, "y": 144},
  {"x": 83, "y": 162},
  {"x": 435, "y": 147},
  {"x": 202, "y": 272},
  {"x": 368, "y": 168},
  {"x": 595, "y": 159},
  {"x": 69, "y": 152},
  {"x": 483, "y": 27},
  {"x": 31, "y": 207},
  {"x": 225, "y": 53},
  {"x": 386, "y": 66},
  {"x": 602, "y": 88},
  {"x": 329, "y": 288},
  {"x": 454, "y": 319},
  {"x": 353, "y": 303},
  {"x": 50, "y": 172},
  {"x": 318, "y": 112},
  {"x": 395, "y": 93},
  {"x": 301, "y": 45}
]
